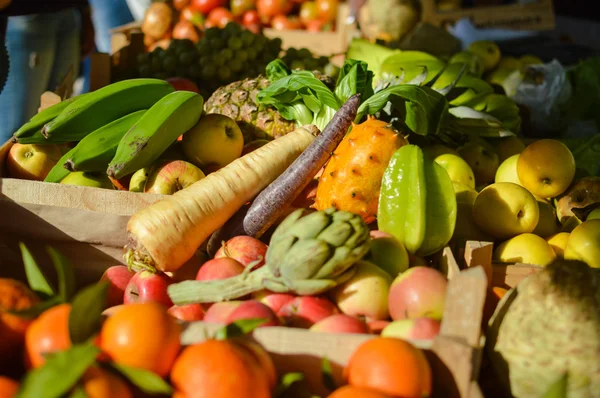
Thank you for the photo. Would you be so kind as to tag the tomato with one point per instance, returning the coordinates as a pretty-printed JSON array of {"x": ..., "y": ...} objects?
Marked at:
[
  {"x": 189, "y": 14},
  {"x": 180, "y": 4},
  {"x": 267, "y": 9},
  {"x": 282, "y": 22},
  {"x": 219, "y": 17},
  {"x": 308, "y": 12},
  {"x": 239, "y": 7},
  {"x": 206, "y": 6},
  {"x": 315, "y": 25},
  {"x": 250, "y": 18},
  {"x": 327, "y": 9}
]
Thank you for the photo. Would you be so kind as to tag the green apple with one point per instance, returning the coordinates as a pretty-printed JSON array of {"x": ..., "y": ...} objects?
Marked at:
[
  {"x": 87, "y": 179},
  {"x": 488, "y": 51},
  {"x": 458, "y": 169},
  {"x": 507, "y": 171},
  {"x": 389, "y": 255},
  {"x": 215, "y": 140}
]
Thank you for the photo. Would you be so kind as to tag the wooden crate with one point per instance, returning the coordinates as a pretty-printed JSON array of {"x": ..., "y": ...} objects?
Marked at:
[
  {"x": 538, "y": 15},
  {"x": 454, "y": 355}
]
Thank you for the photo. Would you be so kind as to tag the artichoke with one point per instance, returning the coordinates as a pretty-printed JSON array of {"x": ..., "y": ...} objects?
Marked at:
[
  {"x": 309, "y": 253},
  {"x": 548, "y": 329}
]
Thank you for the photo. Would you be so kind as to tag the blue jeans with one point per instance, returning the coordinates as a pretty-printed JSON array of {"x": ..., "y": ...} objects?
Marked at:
[
  {"x": 42, "y": 48},
  {"x": 106, "y": 15}
]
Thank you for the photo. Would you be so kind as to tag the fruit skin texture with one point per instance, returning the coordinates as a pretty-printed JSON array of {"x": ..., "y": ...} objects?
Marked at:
[
  {"x": 357, "y": 392},
  {"x": 14, "y": 296},
  {"x": 305, "y": 311},
  {"x": 458, "y": 169},
  {"x": 131, "y": 334},
  {"x": 508, "y": 147},
  {"x": 341, "y": 323},
  {"x": 244, "y": 249},
  {"x": 172, "y": 176},
  {"x": 391, "y": 366},
  {"x": 219, "y": 268},
  {"x": 215, "y": 139},
  {"x": 188, "y": 313},
  {"x": 274, "y": 301},
  {"x": 32, "y": 162},
  {"x": 418, "y": 329},
  {"x": 546, "y": 168},
  {"x": 87, "y": 179},
  {"x": 525, "y": 248},
  {"x": 418, "y": 292},
  {"x": 48, "y": 333},
  {"x": 101, "y": 383},
  {"x": 388, "y": 254},
  {"x": 547, "y": 224},
  {"x": 365, "y": 294},
  {"x": 146, "y": 286},
  {"x": 507, "y": 171},
  {"x": 584, "y": 243},
  {"x": 220, "y": 369},
  {"x": 488, "y": 51},
  {"x": 504, "y": 210},
  {"x": 219, "y": 312},
  {"x": 118, "y": 278},
  {"x": 558, "y": 242},
  {"x": 254, "y": 309},
  {"x": 483, "y": 161},
  {"x": 351, "y": 180}
]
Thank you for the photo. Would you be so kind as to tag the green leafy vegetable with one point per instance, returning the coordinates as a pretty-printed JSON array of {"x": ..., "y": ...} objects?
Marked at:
[
  {"x": 277, "y": 70},
  {"x": 355, "y": 77}
]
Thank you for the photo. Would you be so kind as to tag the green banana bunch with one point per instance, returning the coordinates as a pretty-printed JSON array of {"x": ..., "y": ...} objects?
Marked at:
[
  {"x": 103, "y": 106},
  {"x": 95, "y": 151},
  {"x": 31, "y": 132},
  {"x": 417, "y": 204},
  {"x": 167, "y": 119},
  {"x": 309, "y": 253}
]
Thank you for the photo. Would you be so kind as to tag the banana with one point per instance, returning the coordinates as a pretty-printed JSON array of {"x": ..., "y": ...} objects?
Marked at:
[
  {"x": 166, "y": 120},
  {"x": 59, "y": 172},
  {"x": 417, "y": 204},
  {"x": 102, "y": 106},
  {"x": 31, "y": 132},
  {"x": 95, "y": 151}
]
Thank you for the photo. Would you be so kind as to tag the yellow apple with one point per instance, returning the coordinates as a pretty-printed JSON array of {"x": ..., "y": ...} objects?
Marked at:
[
  {"x": 433, "y": 151},
  {"x": 509, "y": 146},
  {"x": 87, "y": 179},
  {"x": 464, "y": 194},
  {"x": 507, "y": 172},
  {"x": 525, "y": 248},
  {"x": 488, "y": 51},
  {"x": 31, "y": 161},
  {"x": 458, "y": 170},
  {"x": 546, "y": 168},
  {"x": 214, "y": 140},
  {"x": 172, "y": 176},
  {"x": 584, "y": 243},
  {"x": 558, "y": 242},
  {"x": 482, "y": 159},
  {"x": 508, "y": 62},
  {"x": 504, "y": 210},
  {"x": 547, "y": 224},
  {"x": 570, "y": 223},
  {"x": 466, "y": 228},
  {"x": 594, "y": 215}
]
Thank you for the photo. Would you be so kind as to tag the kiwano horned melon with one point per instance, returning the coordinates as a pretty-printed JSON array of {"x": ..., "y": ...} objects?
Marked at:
[{"x": 352, "y": 178}]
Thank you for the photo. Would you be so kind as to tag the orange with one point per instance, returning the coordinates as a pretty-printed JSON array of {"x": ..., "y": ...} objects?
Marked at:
[
  {"x": 14, "y": 296},
  {"x": 391, "y": 366},
  {"x": 8, "y": 387},
  {"x": 142, "y": 335},
  {"x": 219, "y": 369},
  {"x": 357, "y": 392},
  {"x": 262, "y": 357},
  {"x": 48, "y": 333},
  {"x": 100, "y": 383}
]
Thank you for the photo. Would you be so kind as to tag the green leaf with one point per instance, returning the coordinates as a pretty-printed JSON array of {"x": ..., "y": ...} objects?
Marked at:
[
  {"x": 327, "y": 375},
  {"x": 145, "y": 380},
  {"x": 467, "y": 89},
  {"x": 78, "y": 392},
  {"x": 426, "y": 109},
  {"x": 276, "y": 70},
  {"x": 60, "y": 372},
  {"x": 411, "y": 64},
  {"x": 470, "y": 122},
  {"x": 586, "y": 152},
  {"x": 85, "y": 317},
  {"x": 288, "y": 381},
  {"x": 558, "y": 389},
  {"x": 354, "y": 77},
  {"x": 65, "y": 272},
  {"x": 34, "y": 311},
  {"x": 239, "y": 328},
  {"x": 37, "y": 281}
]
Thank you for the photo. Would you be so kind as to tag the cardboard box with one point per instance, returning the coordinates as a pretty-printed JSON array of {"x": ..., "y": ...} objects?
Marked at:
[{"x": 537, "y": 15}]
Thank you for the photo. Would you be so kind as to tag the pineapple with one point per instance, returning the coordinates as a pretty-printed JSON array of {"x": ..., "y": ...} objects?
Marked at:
[
  {"x": 351, "y": 179},
  {"x": 238, "y": 101}
]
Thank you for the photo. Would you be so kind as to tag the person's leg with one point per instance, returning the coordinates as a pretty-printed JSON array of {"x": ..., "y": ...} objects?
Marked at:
[
  {"x": 68, "y": 49},
  {"x": 108, "y": 14},
  {"x": 31, "y": 42}
]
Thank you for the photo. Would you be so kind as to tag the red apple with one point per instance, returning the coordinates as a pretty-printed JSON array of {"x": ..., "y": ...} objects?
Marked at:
[
  {"x": 304, "y": 311},
  {"x": 117, "y": 277},
  {"x": 254, "y": 309},
  {"x": 245, "y": 249},
  {"x": 219, "y": 268},
  {"x": 183, "y": 84},
  {"x": 273, "y": 300},
  {"x": 341, "y": 323},
  {"x": 219, "y": 312},
  {"x": 418, "y": 292},
  {"x": 415, "y": 329},
  {"x": 377, "y": 326},
  {"x": 187, "y": 313},
  {"x": 206, "y": 6},
  {"x": 146, "y": 286}
]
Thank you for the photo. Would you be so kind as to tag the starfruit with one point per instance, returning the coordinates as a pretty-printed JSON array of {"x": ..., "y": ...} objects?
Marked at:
[{"x": 417, "y": 204}]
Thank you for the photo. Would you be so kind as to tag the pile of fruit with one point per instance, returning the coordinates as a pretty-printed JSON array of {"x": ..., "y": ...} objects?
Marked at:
[{"x": 189, "y": 19}]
